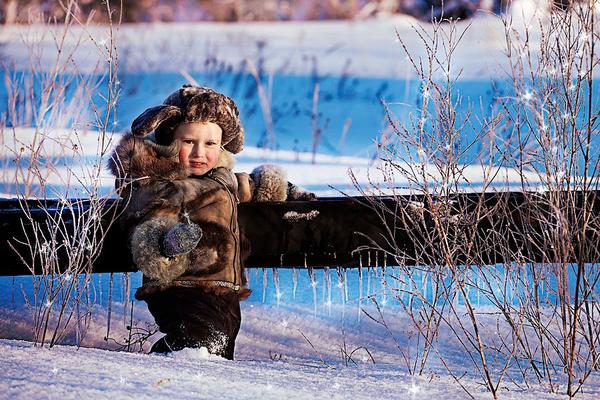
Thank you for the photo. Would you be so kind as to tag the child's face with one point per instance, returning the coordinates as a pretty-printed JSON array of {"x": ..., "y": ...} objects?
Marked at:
[{"x": 200, "y": 146}]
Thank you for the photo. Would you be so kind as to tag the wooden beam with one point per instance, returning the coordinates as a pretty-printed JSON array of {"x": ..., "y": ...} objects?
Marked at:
[{"x": 327, "y": 232}]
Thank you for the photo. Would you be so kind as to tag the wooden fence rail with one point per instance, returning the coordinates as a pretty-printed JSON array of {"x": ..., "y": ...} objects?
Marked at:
[{"x": 330, "y": 231}]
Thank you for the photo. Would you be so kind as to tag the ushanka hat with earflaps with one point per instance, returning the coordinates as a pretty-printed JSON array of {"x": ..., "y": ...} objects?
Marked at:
[{"x": 192, "y": 104}]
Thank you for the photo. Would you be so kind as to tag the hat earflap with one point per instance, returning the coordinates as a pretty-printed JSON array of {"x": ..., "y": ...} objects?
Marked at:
[
  {"x": 150, "y": 119},
  {"x": 236, "y": 144}
]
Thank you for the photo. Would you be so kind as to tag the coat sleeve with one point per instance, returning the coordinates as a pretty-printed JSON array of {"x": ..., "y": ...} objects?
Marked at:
[
  {"x": 269, "y": 183},
  {"x": 245, "y": 187}
]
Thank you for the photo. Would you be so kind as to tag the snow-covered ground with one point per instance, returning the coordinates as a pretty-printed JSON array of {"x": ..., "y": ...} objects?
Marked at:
[
  {"x": 67, "y": 373},
  {"x": 285, "y": 351},
  {"x": 295, "y": 340},
  {"x": 289, "y": 349},
  {"x": 89, "y": 373}
]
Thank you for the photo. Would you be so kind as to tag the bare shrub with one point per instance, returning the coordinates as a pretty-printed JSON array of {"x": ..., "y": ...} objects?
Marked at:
[
  {"x": 524, "y": 239},
  {"x": 66, "y": 216}
]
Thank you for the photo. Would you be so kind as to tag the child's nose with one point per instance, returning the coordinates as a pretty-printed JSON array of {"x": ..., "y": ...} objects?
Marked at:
[{"x": 198, "y": 151}]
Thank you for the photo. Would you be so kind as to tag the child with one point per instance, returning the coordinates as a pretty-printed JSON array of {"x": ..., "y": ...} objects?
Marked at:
[{"x": 174, "y": 171}]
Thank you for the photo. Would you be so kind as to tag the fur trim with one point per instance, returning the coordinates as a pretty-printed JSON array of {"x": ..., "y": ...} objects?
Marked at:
[
  {"x": 213, "y": 252},
  {"x": 241, "y": 294},
  {"x": 270, "y": 183},
  {"x": 226, "y": 160},
  {"x": 135, "y": 158},
  {"x": 203, "y": 258},
  {"x": 150, "y": 288},
  {"x": 145, "y": 249}
]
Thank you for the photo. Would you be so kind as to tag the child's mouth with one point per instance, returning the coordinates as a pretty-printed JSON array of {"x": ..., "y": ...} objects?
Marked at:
[{"x": 197, "y": 164}]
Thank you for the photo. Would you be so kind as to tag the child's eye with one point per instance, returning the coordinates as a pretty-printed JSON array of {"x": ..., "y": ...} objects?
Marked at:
[
  {"x": 188, "y": 141},
  {"x": 212, "y": 143}
]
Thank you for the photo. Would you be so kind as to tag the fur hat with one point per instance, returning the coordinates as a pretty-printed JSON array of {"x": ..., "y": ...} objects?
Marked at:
[{"x": 192, "y": 104}]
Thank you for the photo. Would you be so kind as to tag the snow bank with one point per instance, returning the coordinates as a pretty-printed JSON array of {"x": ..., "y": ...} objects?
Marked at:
[
  {"x": 67, "y": 373},
  {"x": 356, "y": 48},
  {"x": 281, "y": 352}
]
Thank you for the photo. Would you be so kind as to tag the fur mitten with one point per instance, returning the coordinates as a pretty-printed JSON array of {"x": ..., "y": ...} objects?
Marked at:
[
  {"x": 181, "y": 239},
  {"x": 146, "y": 246},
  {"x": 271, "y": 184}
]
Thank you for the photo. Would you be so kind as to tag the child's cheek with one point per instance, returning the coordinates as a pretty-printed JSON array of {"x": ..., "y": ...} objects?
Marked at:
[
  {"x": 183, "y": 155},
  {"x": 213, "y": 157}
]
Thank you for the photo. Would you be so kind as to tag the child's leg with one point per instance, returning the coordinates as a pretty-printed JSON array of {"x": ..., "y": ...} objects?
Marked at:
[
  {"x": 235, "y": 321},
  {"x": 190, "y": 317}
]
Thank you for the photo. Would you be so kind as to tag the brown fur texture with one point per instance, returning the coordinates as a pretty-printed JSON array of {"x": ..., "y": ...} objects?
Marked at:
[
  {"x": 299, "y": 194},
  {"x": 270, "y": 182},
  {"x": 135, "y": 158},
  {"x": 151, "y": 118},
  {"x": 146, "y": 252},
  {"x": 158, "y": 189}
]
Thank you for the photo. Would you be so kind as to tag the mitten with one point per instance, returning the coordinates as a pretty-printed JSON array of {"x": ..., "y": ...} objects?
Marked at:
[
  {"x": 181, "y": 239},
  {"x": 146, "y": 250},
  {"x": 270, "y": 183}
]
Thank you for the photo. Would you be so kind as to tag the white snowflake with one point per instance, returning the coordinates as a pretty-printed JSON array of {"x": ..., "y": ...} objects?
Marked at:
[{"x": 527, "y": 95}]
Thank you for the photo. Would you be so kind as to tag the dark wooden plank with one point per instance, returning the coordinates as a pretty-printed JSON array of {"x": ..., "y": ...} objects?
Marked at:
[{"x": 339, "y": 226}]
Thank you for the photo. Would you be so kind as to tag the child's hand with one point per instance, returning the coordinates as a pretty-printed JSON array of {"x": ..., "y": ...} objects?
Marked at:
[{"x": 181, "y": 239}]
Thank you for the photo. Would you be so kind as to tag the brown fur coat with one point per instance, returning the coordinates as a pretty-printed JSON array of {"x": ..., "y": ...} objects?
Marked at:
[{"x": 160, "y": 194}]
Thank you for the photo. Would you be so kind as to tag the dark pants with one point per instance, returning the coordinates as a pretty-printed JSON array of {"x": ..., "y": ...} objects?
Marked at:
[{"x": 192, "y": 317}]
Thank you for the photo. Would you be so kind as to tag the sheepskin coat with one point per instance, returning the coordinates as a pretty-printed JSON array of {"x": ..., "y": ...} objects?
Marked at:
[{"x": 159, "y": 194}]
